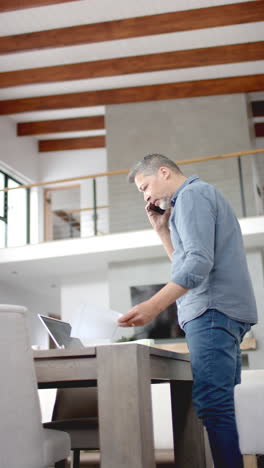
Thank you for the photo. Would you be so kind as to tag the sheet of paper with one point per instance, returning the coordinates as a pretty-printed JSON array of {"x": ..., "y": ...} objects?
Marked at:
[{"x": 97, "y": 324}]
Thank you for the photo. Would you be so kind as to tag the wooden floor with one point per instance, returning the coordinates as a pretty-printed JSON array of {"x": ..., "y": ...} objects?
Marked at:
[{"x": 91, "y": 459}]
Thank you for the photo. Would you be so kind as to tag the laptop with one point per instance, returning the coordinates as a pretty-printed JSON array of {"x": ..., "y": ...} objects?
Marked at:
[{"x": 60, "y": 332}]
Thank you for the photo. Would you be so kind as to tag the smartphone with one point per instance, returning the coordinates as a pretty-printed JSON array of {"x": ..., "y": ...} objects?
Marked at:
[{"x": 157, "y": 209}]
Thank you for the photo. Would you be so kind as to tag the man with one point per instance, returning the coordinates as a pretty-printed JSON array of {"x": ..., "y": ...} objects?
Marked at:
[{"x": 211, "y": 283}]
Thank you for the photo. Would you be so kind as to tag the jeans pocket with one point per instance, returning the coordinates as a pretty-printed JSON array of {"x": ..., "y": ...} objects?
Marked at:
[
  {"x": 244, "y": 329},
  {"x": 239, "y": 329}
]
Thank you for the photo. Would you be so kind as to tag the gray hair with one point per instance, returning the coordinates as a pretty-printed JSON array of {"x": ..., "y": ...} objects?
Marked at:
[{"x": 150, "y": 164}]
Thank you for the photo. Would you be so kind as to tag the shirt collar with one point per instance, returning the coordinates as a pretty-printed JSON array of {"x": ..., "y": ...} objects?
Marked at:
[{"x": 187, "y": 182}]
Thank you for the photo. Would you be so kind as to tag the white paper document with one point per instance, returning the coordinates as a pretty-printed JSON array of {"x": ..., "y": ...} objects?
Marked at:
[{"x": 96, "y": 324}]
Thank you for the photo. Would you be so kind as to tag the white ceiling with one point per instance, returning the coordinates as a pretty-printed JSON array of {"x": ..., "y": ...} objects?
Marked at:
[
  {"x": 137, "y": 79},
  {"x": 94, "y": 11},
  {"x": 135, "y": 46},
  {"x": 58, "y": 114}
]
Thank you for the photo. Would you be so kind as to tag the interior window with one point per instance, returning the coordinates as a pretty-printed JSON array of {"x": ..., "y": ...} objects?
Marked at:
[{"x": 13, "y": 213}]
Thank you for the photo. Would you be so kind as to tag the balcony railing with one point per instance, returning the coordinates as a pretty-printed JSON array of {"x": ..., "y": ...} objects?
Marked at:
[{"x": 79, "y": 206}]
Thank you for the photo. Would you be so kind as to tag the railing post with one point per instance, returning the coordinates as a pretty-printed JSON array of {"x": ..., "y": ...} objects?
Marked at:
[
  {"x": 95, "y": 207},
  {"x": 71, "y": 220},
  {"x": 28, "y": 215},
  {"x": 242, "y": 191}
]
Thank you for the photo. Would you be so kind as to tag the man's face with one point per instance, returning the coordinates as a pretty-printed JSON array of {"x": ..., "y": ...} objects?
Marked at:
[{"x": 154, "y": 188}]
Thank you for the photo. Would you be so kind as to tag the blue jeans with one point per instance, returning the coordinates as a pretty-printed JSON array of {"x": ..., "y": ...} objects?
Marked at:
[{"x": 213, "y": 340}]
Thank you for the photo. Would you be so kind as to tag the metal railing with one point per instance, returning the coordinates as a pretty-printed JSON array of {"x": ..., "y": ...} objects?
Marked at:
[{"x": 72, "y": 216}]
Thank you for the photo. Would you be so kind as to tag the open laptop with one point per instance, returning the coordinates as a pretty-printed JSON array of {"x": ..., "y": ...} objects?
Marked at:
[{"x": 60, "y": 332}]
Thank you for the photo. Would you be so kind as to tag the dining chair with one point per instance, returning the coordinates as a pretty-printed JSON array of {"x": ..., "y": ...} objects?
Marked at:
[
  {"x": 24, "y": 443},
  {"x": 76, "y": 412},
  {"x": 249, "y": 408}
]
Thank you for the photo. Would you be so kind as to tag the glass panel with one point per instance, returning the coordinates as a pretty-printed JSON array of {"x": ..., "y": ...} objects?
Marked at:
[
  {"x": 2, "y": 185},
  {"x": 65, "y": 204},
  {"x": 87, "y": 215},
  {"x": 102, "y": 205},
  {"x": 2, "y": 233},
  {"x": 17, "y": 216}
]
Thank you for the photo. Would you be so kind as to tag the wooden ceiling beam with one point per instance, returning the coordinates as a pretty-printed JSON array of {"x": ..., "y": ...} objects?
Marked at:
[
  {"x": 71, "y": 144},
  {"x": 258, "y": 108},
  {"x": 259, "y": 129},
  {"x": 139, "y": 64},
  {"x": 187, "y": 20},
  {"x": 57, "y": 126},
  {"x": 187, "y": 89},
  {"x": 11, "y": 5}
]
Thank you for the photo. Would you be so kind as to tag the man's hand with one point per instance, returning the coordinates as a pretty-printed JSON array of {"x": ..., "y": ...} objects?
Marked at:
[
  {"x": 159, "y": 222},
  {"x": 146, "y": 311},
  {"x": 139, "y": 315}
]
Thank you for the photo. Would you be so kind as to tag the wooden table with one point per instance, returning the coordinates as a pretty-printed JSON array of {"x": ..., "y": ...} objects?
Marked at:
[{"x": 123, "y": 374}]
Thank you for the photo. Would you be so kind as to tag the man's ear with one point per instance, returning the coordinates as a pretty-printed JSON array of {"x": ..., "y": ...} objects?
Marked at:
[{"x": 165, "y": 172}]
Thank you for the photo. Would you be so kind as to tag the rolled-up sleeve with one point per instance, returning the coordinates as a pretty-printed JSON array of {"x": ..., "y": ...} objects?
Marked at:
[{"x": 194, "y": 219}]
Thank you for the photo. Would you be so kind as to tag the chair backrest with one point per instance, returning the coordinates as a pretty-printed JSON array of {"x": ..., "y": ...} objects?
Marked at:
[
  {"x": 21, "y": 432},
  {"x": 76, "y": 403},
  {"x": 249, "y": 408},
  {"x": 162, "y": 419}
]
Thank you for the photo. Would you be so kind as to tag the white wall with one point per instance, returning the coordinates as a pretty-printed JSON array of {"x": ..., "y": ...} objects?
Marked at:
[
  {"x": 37, "y": 303},
  {"x": 81, "y": 289},
  {"x": 80, "y": 293},
  {"x": 17, "y": 153},
  {"x": 122, "y": 275},
  {"x": 63, "y": 164}
]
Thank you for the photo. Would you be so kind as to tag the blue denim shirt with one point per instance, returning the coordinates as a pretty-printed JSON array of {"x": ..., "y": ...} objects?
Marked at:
[{"x": 209, "y": 258}]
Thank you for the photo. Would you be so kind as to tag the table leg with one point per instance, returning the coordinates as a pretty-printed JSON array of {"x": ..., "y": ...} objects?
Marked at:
[
  {"x": 125, "y": 408},
  {"x": 188, "y": 431}
]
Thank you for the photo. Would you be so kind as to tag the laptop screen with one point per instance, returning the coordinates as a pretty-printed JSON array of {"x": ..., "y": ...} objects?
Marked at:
[{"x": 58, "y": 330}]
